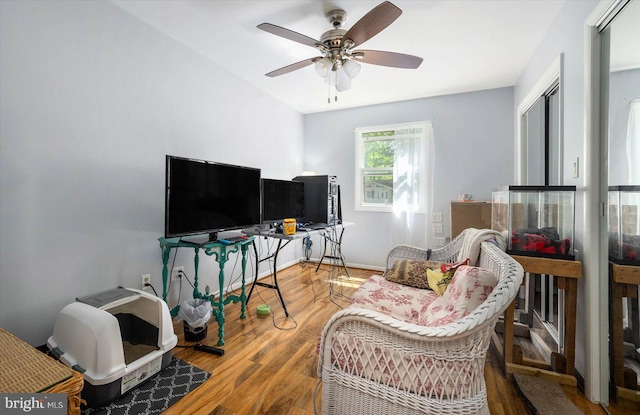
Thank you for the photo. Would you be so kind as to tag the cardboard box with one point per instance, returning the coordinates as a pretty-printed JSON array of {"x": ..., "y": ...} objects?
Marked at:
[{"x": 469, "y": 215}]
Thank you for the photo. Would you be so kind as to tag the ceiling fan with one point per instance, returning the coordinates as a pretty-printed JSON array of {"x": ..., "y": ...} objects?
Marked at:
[{"x": 338, "y": 62}]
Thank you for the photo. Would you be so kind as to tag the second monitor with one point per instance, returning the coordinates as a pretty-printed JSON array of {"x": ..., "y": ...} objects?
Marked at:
[{"x": 282, "y": 199}]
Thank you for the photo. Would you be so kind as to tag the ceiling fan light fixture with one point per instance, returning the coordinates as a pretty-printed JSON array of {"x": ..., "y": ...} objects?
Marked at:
[
  {"x": 343, "y": 81},
  {"x": 351, "y": 68},
  {"x": 323, "y": 67},
  {"x": 339, "y": 80}
]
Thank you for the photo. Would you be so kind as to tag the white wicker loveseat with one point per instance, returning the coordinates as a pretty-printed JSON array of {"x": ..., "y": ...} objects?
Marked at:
[{"x": 372, "y": 363}]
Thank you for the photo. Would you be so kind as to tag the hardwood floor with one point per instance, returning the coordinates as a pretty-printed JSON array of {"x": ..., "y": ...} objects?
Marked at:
[{"x": 270, "y": 363}]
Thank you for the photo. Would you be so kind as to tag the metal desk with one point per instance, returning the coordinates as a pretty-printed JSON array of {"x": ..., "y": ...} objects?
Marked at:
[{"x": 284, "y": 240}]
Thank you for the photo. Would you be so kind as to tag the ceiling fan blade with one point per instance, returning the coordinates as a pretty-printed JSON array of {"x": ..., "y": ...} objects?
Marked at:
[
  {"x": 292, "y": 67},
  {"x": 393, "y": 59},
  {"x": 288, "y": 34},
  {"x": 373, "y": 23}
]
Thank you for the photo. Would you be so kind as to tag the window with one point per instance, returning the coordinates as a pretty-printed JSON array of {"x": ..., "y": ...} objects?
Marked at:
[{"x": 392, "y": 172}]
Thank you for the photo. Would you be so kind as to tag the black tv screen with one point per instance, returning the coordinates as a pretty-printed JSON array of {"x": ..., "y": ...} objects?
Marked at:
[
  {"x": 207, "y": 197},
  {"x": 282, "y": 199}
]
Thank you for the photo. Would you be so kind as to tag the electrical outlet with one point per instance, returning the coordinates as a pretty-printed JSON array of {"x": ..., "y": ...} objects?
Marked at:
[
  {"x": 440, "y": 241},
  {"x": 437, "y": 217},
  {"x": 175, "y": 274},
  {"x": 437, "y": 228},
  {"x": 144, "y": 280}
]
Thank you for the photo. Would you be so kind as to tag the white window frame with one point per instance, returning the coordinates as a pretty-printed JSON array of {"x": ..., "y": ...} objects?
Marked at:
[{"x": 360, "y": 204}]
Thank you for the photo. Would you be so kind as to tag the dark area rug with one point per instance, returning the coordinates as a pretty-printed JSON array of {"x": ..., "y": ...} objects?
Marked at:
[
  {"x": 544, "y": 396},
  {"x": 158, "y": 393}
]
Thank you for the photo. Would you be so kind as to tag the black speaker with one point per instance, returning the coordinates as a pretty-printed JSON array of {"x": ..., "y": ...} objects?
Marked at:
[{"x": 320, "y": 198}]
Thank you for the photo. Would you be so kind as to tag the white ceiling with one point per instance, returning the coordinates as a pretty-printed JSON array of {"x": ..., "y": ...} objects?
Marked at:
[{"x": 467, "y": 45}]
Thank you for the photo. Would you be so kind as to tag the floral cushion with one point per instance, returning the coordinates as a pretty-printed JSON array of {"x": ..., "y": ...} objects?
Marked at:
[
  {"x": 396, "y": 300},
  {"x": 469, "y": 288},
  {"x": 411, "y": 272}
]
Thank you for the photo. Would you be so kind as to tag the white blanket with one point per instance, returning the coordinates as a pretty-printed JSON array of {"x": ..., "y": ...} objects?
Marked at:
[{"x": 471, "y": 243}]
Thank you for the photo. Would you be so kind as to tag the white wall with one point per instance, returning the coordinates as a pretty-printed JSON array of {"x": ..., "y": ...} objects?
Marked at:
[
  {"x": 474, "y": 154},
  {"x": 91, "y": 101},
  {"x": 566, "y": 36}
]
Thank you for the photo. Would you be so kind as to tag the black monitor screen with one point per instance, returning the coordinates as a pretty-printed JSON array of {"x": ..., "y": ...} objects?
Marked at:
[
  {"x": 282, "y": 199},
  {"x": 206, "y": 197}
]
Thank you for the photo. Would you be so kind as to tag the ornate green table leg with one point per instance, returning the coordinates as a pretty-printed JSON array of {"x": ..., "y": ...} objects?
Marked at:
[
  {"x": 166, "y": 251},
  {"x": 218, "y": 309},
  {"x": 196, "y": 262},
  {"x": 221, "y": 319}
]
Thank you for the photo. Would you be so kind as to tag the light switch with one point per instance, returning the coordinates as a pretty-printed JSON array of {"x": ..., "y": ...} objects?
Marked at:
[{"x": 576, "y": 168}]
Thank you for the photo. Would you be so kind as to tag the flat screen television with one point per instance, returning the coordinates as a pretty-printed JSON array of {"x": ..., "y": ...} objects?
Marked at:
[
  {"x": 282, "y": 199},
  {"x": 203, "y": 197}
]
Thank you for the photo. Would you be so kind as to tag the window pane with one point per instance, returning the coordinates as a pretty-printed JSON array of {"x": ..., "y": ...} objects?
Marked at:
[
  {"x": 378, "y": 186},
  {"x": 378, "y": 153},
  {"x": 533, "y": 122},
  {"x": 378, "y": 172}
]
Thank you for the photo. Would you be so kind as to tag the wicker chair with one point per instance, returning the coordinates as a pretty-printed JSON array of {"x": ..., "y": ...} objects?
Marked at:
[{"x": 444, "y": 365}]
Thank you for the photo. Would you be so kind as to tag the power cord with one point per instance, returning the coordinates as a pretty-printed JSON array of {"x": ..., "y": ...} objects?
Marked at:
[
  {"x": 257, "y": 290},
  {"x": 154, "y": 290},
  {"x": 335, "y": 257},
  {"x": 307, "y": 243},
  {"x": 315, "y": 295}
]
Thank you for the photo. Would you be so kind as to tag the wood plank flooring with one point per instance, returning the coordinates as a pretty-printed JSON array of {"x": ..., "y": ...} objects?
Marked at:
[{"x": 270, "y": 363}]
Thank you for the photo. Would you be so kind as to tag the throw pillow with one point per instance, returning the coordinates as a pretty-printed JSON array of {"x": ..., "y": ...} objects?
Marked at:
[
  {"x": 439, "y": 279},
  {"x": 411, "y": 272},
  {"x": 469, "y": 287}
]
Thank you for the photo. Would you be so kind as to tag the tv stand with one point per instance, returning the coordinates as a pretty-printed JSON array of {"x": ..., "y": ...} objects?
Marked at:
[{"x": 220, "y": 251}]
